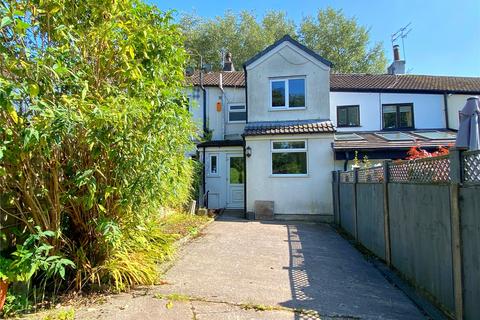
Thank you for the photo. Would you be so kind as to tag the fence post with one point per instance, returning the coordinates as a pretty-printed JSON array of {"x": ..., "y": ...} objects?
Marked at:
[
  {"x": 339, "y": 180},
  {"x": 355, "y": 181},
  {"x": 455, "y": 180},
  {"x": 335, "y": 196},
  {"x": 386, "y": 212}
]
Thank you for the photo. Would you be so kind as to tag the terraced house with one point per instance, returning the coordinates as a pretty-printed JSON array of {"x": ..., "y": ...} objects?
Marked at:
[{"x": 275, "y": 131}]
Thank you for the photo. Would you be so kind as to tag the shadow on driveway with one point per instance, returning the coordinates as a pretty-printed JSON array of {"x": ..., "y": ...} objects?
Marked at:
[{"x": 328, "y": 276}]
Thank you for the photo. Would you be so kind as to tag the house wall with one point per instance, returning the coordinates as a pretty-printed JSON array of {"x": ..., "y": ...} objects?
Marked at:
[
  {"x": 288, "y": 61},
  {"x": 309, "y": 195},
  {"x": 428, "y": 109},
  {"x": 196, "y": 106},
  {"x": 218, "y": 121},
  {"x": 455, "y": 103},
  {"x": 217, "y": 184}
]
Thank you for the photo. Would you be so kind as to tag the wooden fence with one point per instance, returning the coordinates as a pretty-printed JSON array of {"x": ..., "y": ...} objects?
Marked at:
[{"x": 422, "y": 217}]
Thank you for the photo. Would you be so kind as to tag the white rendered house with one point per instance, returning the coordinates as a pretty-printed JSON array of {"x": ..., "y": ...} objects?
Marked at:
[{"x": 276, "y": 130}]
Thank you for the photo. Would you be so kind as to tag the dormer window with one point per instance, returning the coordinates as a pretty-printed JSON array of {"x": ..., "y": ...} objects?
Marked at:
[{"x": 287, "y": 93}]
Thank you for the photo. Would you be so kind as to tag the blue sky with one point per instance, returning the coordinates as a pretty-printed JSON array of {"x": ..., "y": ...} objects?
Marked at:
[{"x": 445, "y": 36}]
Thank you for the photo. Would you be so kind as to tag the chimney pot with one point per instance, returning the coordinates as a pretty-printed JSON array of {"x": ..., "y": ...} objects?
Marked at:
[
  {"x": 228, "y": 64},
  {"x": 396, "y": 52}
]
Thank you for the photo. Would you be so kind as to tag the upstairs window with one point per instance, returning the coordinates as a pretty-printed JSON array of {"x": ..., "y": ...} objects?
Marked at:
[
  {"x": 397, "y": 116},
  {"x": 288, "y": 93},
  {"x": 237, "y": 113},
  {"x": 348, "y": 116},
  {"x": 289, "y": 157}
]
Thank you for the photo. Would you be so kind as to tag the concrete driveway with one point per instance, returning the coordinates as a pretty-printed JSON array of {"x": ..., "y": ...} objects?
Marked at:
[{"x": 268, "y": 270}]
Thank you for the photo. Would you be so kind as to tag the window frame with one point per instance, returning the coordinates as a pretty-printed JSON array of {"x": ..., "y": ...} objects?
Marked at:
[
  {"x": 293, "y": 150},
  {"x": 357, "y": 106},
  {"x": 210, "y": 173},
  {"x": 397, "y": 116},
  {"x": 237, "y": 111},
  {"x": 287, "y": 97}
]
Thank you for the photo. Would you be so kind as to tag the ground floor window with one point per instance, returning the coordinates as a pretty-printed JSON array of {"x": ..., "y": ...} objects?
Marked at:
[
  {"x": 213, "y": 164},
  {"x": 289, "y": 157}
]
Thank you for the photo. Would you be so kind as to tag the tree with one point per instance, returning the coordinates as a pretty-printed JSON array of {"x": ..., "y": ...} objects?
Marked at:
[
  {"x": 342, "y": 41},
  {"x": 94, "y": 128},
  {"x": 337, "y": 38},
  {"x": 240, "y": 34}
]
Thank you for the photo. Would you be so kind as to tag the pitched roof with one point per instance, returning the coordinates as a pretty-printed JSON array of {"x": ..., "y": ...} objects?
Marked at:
[
  {"x": 212, "y": 79},
  {"x": 371, "y": 141},
  {"x": 292, "y": 41},
  {"x": 403, "y": 83},
  {"x": 366, "y": 82},
  {"x": 288, "y": 127}
]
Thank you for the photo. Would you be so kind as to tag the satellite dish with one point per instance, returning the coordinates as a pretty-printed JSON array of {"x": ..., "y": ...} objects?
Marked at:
[{"x": 189, "y": 71}]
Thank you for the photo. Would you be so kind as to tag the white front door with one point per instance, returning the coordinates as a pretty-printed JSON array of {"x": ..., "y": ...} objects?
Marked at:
[{"x": 235, "y": 180}]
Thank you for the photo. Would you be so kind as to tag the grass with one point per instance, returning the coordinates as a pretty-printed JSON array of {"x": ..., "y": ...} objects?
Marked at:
[
  {"x": 68, "y": 314},
  {"x": 182, "y": 224}
]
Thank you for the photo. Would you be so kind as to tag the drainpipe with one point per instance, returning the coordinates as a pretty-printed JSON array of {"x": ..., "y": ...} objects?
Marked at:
[
  {"x": 445, "y": 102},
  {"x": 245, "y": 146},
  {"x": 203, "y": 179},
  {"x": 204, "y": 104},
  {"x": 246, "y": 95},
  {"x": 244, "y": 177}
]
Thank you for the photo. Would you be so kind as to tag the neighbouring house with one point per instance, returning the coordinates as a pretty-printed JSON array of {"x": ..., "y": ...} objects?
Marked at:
[{"x": 274, "y": 131}]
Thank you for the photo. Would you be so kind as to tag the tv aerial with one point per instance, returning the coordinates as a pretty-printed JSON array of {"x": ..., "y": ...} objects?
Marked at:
[{"x": 402, "y": 34}]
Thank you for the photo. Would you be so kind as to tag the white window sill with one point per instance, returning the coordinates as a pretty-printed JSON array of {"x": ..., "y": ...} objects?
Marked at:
[
  {"x": 286, "y": 109},
  {"x": 289, "y": 175}
]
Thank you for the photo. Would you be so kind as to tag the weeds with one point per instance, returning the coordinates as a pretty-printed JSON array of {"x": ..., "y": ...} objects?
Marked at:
[{"x": 68, "y": 314}]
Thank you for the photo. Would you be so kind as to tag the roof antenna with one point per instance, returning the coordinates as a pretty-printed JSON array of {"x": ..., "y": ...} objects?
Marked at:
[{"x": 402, "y": 34}]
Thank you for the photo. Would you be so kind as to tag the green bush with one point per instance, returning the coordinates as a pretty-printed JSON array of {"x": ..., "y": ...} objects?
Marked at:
[{"x": 94, "y": 127}]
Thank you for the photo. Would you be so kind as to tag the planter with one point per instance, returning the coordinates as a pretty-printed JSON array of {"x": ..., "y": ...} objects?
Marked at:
[{"x": 3, "y": 292}]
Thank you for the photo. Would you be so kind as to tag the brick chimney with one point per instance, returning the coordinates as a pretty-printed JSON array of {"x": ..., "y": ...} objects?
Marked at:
[
  {"x": 228, "y": 64},
  {"x": 397, "y": 66}
]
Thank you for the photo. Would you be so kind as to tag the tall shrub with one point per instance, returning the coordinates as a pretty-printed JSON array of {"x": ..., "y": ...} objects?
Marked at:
[{"x": 93, "y": 122}]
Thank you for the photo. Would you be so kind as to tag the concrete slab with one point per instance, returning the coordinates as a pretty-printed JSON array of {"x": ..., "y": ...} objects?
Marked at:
[
  {"x": 281, "y": 265},
  {"x": 295, "y": 265}
]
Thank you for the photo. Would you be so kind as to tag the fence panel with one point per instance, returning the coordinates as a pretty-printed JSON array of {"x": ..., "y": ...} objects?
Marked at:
[
  {"x": 370, "y": 218},
  {"x": 470, "y": 221},
  {"x": 420, "y": 233},
  {"x": 347, "y": 207},
  {"x": 471, "y": 166},
  {"x": 370, "y": 175},
  {"x": 428, "y": 170}
]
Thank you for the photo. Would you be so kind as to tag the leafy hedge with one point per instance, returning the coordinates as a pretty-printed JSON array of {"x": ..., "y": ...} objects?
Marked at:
[{"x": 94, "y": 127}]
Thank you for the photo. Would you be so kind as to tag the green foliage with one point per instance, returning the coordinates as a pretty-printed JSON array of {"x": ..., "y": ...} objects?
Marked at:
[
  {"x": 94, "y": 127},
  {"x": 16, "y": 303},
  {"x": 142, "y": 247},
  {"x": 333, "y": 35},
  {"x": 33, "y": 256},
  {"x": 68, "y": 314},
  {"x": 239, "y": 33},
  {"x": 342, "y": 41}
]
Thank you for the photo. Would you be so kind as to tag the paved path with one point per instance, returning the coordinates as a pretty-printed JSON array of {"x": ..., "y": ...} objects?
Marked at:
[{"x": 239, "y": 266}]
